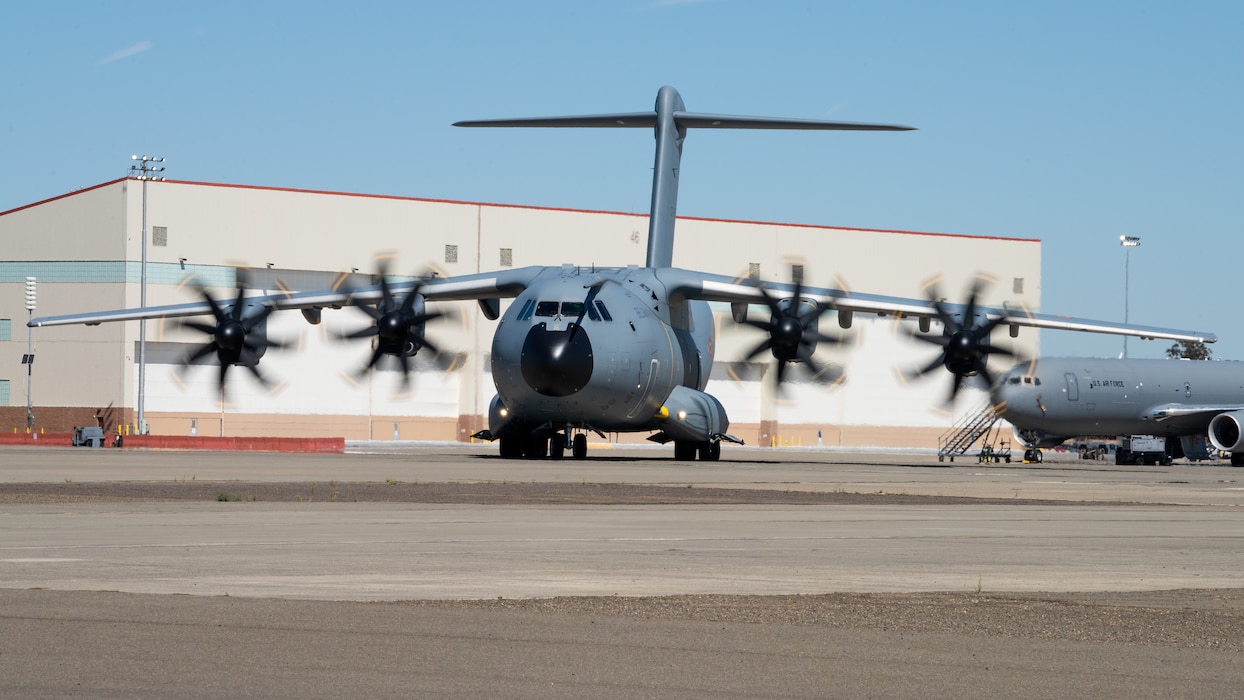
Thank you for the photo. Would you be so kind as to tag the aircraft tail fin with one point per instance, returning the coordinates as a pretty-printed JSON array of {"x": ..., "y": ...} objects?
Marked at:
[{"x": 670, "y": 121}]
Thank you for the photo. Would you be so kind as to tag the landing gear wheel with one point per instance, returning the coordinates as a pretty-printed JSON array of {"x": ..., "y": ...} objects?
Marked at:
[
  {"x": 535, "y": 448},
  {"x": 710, "y": 451},
  {"x": 684, "y": 451},
  {"x": 579, "y": 447},
  {"x": 557, "y": 446},
  {"x": 511, "y": 448}
]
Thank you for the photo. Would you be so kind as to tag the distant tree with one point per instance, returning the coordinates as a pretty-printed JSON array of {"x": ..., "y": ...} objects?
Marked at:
[{"x": 1188, "y": 350}]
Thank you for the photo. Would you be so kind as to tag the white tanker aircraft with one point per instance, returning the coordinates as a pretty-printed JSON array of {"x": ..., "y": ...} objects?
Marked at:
[{"x": 621, "y": 349}]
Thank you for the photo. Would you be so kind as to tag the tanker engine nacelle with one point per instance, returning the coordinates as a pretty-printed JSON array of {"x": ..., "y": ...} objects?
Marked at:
[{"x": 1226, "y": 431}]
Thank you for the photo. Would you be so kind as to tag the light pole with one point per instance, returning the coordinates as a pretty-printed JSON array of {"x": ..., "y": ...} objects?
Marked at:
[
  {"x": 144, "y": 168},
  {"x": 1128, "y": 242},
  {"x": 29, "y": 358}
]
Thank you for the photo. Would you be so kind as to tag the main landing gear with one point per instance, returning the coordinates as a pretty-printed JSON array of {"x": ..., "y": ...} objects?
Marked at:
[
  {"x": 556, "y": 445},
  {"x": 708, "y": 451},
  {"x": 532, "y": 447}
]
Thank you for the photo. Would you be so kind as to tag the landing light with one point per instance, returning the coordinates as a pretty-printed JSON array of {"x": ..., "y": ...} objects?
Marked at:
[
  {"x": 682, "y": 415},
  {"x": 504, "y": 412}
]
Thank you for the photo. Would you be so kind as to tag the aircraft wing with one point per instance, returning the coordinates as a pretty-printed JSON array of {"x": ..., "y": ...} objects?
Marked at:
[
  {"x": 1168, "y": 411},
  {"x": 696, "y": 285},
  {"x": 492, "y": 285}
]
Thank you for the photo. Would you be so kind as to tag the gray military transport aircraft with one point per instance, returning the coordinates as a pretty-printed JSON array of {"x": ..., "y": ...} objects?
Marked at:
[
  {"x": 618, "y": 349},
  {"x": 1054, "y": 399}
]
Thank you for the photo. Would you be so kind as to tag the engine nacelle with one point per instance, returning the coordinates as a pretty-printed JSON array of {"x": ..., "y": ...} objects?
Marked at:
[{"x": 1226, "y": 431}]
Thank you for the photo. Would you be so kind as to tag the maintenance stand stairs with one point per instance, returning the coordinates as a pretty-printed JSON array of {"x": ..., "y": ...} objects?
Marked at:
[{"x": 973, "y": 426}]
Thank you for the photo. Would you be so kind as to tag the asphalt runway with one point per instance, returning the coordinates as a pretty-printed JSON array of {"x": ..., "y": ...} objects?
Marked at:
[{"x": 285, "y": 599}]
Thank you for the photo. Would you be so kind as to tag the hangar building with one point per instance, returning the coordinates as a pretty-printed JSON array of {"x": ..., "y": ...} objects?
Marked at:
[{"x": 85, "y": 250}]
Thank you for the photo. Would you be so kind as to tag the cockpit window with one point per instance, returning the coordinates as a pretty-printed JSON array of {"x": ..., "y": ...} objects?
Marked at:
[
  {"x": 525, "y": 312},
  {"x": 595, "y": 310},
  {"x": 604, "y": 313}
]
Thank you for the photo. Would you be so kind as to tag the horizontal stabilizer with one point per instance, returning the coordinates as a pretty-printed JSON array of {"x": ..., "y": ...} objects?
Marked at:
[
  {"x": 669, "y": 120},
  {"x": 631, "y": 120},
  {"x": 730, "y": 121},
  {"x": 636, "y": 120}
]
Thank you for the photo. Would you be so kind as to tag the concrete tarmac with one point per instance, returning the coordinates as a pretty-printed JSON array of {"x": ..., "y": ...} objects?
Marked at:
[{"x": 101, "y": 587}]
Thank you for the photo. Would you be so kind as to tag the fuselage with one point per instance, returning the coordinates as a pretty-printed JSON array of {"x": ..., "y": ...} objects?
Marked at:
[
  {"x": 601, "y": 348},
  {"x": 1064, "y": 397}
]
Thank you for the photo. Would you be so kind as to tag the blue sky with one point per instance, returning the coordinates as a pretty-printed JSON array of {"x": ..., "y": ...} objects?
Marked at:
[{"x": 1071, "y": 122}]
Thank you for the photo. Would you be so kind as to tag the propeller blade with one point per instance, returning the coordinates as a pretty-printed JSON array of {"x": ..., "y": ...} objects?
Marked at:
[
  {"x": 964, "y": 343},
  {"x": 224, "y": 373},
  {"x": 368, "y": 332},
  {"x": 805, "y": 356},
  {"x": 762, "y": 325},
  {"x": 764, "y": 345},
  {"x": 202, "y": 352},
  {"x": 200, "y": 327},
  {"x": 236, "y": 311},
  {"x": 404, "y": 361},
  {"x": 939, "y": 340},
  {"x": 822, "y": 338},
  {"x": 372, "y": 311},
  {"x": 217, "y": 312},
  {"x": 422, "y": 341},
  {"x": 397, "y": 325},
  {"x": 915, "y": 374},
  {"x": 954, "y": 389},
  {"x": 249, "y": 323},
  {"x": 408, "y": 303},
  {"x": 792, "y": 329},
  {"x": 781, "y": 372},
  {"x": 235, "y": 336}
]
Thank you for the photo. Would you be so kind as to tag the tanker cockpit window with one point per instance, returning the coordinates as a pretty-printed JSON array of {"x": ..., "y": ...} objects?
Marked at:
[
  {"x": 547, "y": 308},
  {"x": 572, "y": 309}
]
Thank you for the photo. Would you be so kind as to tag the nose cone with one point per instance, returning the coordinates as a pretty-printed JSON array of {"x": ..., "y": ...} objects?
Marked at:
[
  {"x": 1019, "y": 400},
  {"x": 557, "y": 363}
]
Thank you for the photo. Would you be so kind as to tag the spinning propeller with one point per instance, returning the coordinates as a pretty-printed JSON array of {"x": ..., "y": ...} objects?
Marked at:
[
  {"x": 398, "y": 329},
  {"x": 964, "y": 341},
  {"x": 237, "y": 339},
  {"x": 793, "y": 333}
]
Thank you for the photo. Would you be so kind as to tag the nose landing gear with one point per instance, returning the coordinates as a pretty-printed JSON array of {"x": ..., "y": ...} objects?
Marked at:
[{"x": 560, "y": 441}]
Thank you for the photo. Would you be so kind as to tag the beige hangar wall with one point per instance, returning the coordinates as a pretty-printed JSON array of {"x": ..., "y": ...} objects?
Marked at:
[{"x": 85, "y": 248}]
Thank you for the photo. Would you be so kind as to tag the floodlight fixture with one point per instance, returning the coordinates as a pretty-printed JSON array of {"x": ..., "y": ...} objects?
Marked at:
[
  {"x": 144, "y": 170},
  {"x": 1128, "y": 242}
]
